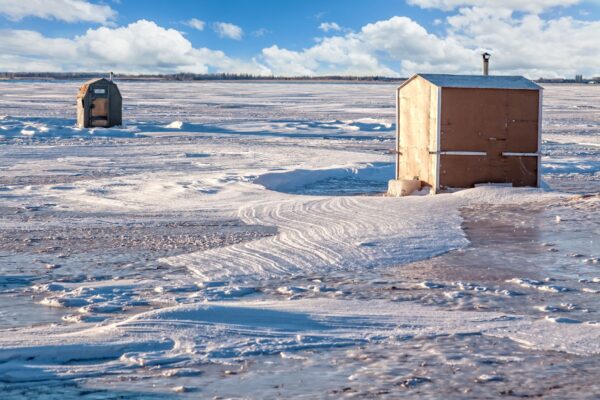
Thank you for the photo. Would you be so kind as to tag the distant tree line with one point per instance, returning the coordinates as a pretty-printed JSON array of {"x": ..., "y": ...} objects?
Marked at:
[
  {"x": 235, "y": 77},
  {"x": 190, "y": 77},
  {"x": 595, "y": 79}
]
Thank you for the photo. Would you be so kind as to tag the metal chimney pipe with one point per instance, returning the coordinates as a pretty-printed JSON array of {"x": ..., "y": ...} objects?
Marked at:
[{"x": 486, "y": 63}]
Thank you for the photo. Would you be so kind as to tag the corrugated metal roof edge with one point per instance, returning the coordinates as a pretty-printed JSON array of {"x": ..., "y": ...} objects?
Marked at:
[
  {"x": 94, "y": 80},
  {"x": 84, "y": 88},
  {"x": 421, "y": 75}
]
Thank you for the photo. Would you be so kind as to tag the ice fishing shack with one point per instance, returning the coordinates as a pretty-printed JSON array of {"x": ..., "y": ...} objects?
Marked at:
[
  {"x": 457, "y": 131},
  {"x": 99, "y": 104}
]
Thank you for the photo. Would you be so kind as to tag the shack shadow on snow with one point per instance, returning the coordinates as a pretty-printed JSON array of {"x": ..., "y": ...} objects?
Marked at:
[{"x": 367, "y": 179}]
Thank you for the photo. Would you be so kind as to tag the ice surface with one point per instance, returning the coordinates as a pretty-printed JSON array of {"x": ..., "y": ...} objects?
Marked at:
[{"x": 215, "y": 243}]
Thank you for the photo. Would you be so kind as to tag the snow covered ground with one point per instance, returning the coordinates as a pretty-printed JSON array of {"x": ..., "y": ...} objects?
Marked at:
[{"x": 232, "y": 240}]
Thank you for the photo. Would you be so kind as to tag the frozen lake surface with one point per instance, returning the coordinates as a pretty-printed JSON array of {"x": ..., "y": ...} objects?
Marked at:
[{"x": 232, "y": 240}]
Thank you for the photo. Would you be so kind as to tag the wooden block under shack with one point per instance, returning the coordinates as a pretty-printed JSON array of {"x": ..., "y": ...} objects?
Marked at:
[{"x": 403, "y": 187}]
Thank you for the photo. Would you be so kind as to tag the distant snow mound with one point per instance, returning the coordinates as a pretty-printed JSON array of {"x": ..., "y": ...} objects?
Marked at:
[
  {"x": 370, "y": 124},
  {"x": 174, "y": 125}
]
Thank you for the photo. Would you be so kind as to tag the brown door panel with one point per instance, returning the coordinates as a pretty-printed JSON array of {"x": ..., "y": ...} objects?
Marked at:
[
  {"x": 99, "y": 107},
  {"x": 459, "y": 171},
  {"x": 522, "y": 170},
  {"x": 523, "y": 117},
  {"x": 479, "y": 119},
  {"x": 522, "y": 136},
  {"x": 471, "y": 117},
  {"x": 523, "y": 104},
  {"x": 463, "y": 171}
]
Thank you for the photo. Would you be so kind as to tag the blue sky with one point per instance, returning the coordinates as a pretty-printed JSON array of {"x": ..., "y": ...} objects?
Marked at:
[
  {"x": 309, "y": 37},
  {"x": 290, "y": 24}
]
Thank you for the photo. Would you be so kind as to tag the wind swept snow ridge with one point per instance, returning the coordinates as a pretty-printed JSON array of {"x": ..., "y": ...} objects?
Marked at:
[
  {"x": 328, "y": 234},
  {"x": 202, "y": 332},
  {"x": 324, "y": 235}
]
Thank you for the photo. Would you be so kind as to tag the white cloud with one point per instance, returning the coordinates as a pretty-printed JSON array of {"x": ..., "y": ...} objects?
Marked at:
[
  {"x": 531, "y": 45},
  {"x": 329, "y": 26},
  {"x": 527, "y": 45},
  {"x": 196, "y": 24},
  {"x": 140, "y": 47},
  {"x": 63, "y": 10},
  {"x": 227, "y": 30},
  {"x": 260, "y": 32},
  {"x": 289, "y": 63},
  {"x": 532, "y": 6},
  {"x": 331, "y": 56},
  {"x": 399, "y": 39},
  {"x": 524, "y": 43}
]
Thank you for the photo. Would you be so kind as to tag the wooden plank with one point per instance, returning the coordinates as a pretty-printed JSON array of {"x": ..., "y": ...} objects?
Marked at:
[
  {"x": 435, "y": 135},
  {"x": 397, "y": 134},
  {"x": 539, "y": 142},
  {"x": 418, "y": 119}
]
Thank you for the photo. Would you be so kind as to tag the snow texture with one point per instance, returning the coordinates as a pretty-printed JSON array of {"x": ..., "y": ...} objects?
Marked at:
[{"x": 211, "y": 231}]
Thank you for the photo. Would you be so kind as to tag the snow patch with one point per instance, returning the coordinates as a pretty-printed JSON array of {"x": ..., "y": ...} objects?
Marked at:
[{"x": 174, "y": 125}]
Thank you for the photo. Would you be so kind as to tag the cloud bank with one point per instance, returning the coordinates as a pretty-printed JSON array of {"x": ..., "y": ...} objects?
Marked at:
[
  {"x": 62, "y": 10},
  {"x": 524, "y": 42},
  {"x": 329, "y": 26},
  {"x": 531, "y": 6},
  {"x": 227, "y": 30},
  {"x": 521, "y": 43},
  {"x": 140, "y": 47}
]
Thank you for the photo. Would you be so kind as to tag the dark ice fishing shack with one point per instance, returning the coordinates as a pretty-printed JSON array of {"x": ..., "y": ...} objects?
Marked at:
[{"x": 99, "y": 104}]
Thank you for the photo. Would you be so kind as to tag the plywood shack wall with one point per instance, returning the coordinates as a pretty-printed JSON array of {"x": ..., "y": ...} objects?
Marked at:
[
  {"x": 494, "y": 122},
  {"x": 457, "y": 137},
  {"x": 417, "y": 131}
]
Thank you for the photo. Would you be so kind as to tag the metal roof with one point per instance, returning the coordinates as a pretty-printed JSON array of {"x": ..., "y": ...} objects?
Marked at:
[
  {"x": 478, "y": 81},
  {"x": 84, "y": 89},
  {"x": 96, "y": 80}
]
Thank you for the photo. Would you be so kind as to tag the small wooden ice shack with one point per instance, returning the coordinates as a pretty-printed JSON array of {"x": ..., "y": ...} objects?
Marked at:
[
  {"x": 456, "y": 131},
  {"x": 99, "y": 103}
]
